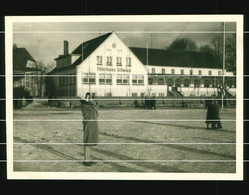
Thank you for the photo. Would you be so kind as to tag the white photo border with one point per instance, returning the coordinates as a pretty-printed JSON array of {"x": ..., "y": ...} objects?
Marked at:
[{"x": 11, "y": 174}]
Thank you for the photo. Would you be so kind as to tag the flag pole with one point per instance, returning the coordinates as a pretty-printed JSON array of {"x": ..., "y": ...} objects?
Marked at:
[{"x": 223, "y": 68}]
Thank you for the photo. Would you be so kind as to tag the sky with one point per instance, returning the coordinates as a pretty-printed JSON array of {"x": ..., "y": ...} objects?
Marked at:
[{"x": 44, "y": 40}]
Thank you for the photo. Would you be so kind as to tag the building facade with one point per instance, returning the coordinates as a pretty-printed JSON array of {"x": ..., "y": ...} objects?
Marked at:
[
  {"x": 25, "y": 71},
  {"x": 106, "y": 66}
]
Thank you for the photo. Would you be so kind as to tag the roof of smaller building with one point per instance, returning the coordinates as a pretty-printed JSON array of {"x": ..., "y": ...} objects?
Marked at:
[
  {"x": 20, "y": 58},
  {"x": 85, "y": 48},
  {"x": 162, "y": 57}
]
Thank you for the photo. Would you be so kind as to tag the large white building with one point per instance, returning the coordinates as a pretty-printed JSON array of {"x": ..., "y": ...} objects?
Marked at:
[{"x": 106, "y": 66}]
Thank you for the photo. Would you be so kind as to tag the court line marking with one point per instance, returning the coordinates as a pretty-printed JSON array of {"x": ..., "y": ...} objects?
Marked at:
[
  {"x": 117, "y": 99},
  {"x": 134, "y": 120},
  {"x": 125, "y": 32},
  {"x": 122, "y": 160},
  {"x": 121, "y": 143}
]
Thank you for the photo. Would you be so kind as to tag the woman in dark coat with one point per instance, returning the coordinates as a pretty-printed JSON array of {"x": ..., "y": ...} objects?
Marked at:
[
  {"x": 90, "y": 126},
  {"x": 210, "y": 114}
]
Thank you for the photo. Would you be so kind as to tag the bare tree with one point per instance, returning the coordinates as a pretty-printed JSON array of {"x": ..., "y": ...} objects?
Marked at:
[
  {"x": 230, "y": 50},
  {"x": 42, "y": 69}
]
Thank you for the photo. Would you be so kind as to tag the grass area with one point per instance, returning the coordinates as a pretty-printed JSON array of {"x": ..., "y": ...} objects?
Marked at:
[{"x": 128, "y": 146}]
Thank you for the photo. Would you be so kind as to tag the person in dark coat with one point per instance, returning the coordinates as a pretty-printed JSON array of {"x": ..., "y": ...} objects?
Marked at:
[
  {"x": 23, "y": 102},
  {"x": 150, "y": 102},
  {"x": 146, "y": 102},
  {"x": 136, "y": 104},
  {"x": 210, "y": 114},
  {"x": 217, "y": 115},
  {"x": 90, "y": 126},
  {"x": 153, "y": 102}
]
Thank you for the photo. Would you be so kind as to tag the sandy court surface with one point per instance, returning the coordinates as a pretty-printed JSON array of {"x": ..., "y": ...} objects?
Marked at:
[{"x": 130, "y": 141}]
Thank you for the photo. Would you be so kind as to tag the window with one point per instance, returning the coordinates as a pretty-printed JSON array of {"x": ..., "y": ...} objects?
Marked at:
[
  {"x": 71, "y": 79},
  {"x": 123, "y": 79},
  {"x": 182, "y": 71},
  {"x": 153, "y": 94},
  {"x": 142, "y": 94},
  {"x": 196, "y": 83},
  {"x": 74, "y": 78},
  {"x": 150, "y": 81},
  {"x": 200, "y": 73},
  {"x": 137, "y": 79},
  {"x": 209, "y": 72},
  {"x": 177, "y": 82},
  {"x": 88, "y": 78},
  {"x": 134, "y": 94},
  {"x": 27, "y": 77},
  {"x": 191, "y": 72},
  {"x": 109, "y": 61},
  {"x": 186, "y": 83},
  {"x": 105, "y": 79},
  {"x": 170, "y": 82},
  {"x": 119, "y": 61},
  {"x": 219, "y": 72},
  {"x": 153, "y": 71},
  {"x": 73, "y": 92},
  {"x": 128, "y": 61},
  {"x": 163, "y": 71},
  {"x": 206, "y": 83},
  {"x": 60, "y": 80},
  {"x": 99, "y": 60},
  {"x": 172, "y": 71},
  {"x": 160, "y": 81},
  {"x": 161, "y": 94},
  {"x": 108, "y": 79},
  {"x": 66, "y": 80}
]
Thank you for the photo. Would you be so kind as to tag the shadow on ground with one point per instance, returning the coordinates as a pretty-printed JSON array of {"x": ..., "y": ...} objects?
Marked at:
[
  {"x": 117, "y": 166},
  {"x": 179, "y": 147},
  {"x": 184, "y": 126}
]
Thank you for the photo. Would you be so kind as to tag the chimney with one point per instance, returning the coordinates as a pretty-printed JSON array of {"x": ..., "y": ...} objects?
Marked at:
[{"x": 65, "y": 47}]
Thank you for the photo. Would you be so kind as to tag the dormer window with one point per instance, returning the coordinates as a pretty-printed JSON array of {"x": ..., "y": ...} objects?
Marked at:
[
  {"x": 128, "y": 61},
  {"x": 99, "y": 60},
  {"x": 109, "y": 61},
  {"x": 119, "y": 61}
]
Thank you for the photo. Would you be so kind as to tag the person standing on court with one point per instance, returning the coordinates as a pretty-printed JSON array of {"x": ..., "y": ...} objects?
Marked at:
[
  {"x": 153, "y": 103},
  {"x": 90, "y": 126},
  {"x": 23, "y": 102},
  {"x": 217, "y": 114},
  {"x": 210, "y": 114}
]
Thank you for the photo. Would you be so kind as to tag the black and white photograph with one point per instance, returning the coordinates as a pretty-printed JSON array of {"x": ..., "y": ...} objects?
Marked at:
[{"x": 124, "y": 97}]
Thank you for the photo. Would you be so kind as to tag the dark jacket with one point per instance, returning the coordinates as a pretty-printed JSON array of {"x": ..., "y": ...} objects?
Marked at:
[{"x": 210, "y": 112}]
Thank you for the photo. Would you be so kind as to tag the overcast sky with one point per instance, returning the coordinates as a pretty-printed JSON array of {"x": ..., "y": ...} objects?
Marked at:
[{"x": 44, "y": 40}]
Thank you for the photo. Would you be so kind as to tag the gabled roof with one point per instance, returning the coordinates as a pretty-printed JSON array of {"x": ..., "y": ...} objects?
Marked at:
[
  {"x": 21, "y": 56},
  {"x": 161, "y": 57},
  {"x": 89, "y": 46}
]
